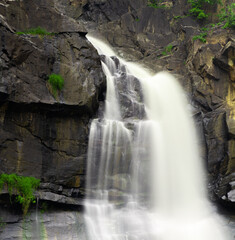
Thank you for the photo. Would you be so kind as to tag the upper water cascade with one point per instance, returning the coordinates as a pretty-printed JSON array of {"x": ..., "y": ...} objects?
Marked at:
[{"x": 145, "y": 177}]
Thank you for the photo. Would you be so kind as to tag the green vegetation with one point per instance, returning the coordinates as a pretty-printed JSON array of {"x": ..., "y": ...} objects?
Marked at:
[
  {"x": 44, "y": 207},
  {"x": 202, "y": 36},
  {"x": 167, "y": 50},
  {"x": 23, "y": 187},
  {"x": 198, "y": 6},
  {"x": 156, "y": 4},
  {"x": 36, "y": 31},
  {"x": 178, "y": 17},
  {"x": 56, "y": 82},
  {"x": 228, "y": 16},
  {"x": 227, "y": 20},
  {"x": 2, "y": 223},
  {"x": 43, "y": 232}
]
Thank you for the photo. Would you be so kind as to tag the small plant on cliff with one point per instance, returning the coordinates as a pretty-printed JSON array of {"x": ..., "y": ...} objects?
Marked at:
[
  {"x": 198, "y": 6},
  {"x": 228, "y": 16},
  {"x": 56, "y": 82},
  {"x": 167, "y": 50},
  {"x": 21, "y": 186},
  {"x": 156, "y": 4},
  {"x": 177, "y": 17},
  {"x": 36, "y": 31},
  {"x": 202, "y": 36}
]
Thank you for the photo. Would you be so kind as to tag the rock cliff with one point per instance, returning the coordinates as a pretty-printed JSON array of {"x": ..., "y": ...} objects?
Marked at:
[
  {"x": 41, "y": 135},
  {"x": 47, "y": 137},
  {"x": 142, "y": 33}
]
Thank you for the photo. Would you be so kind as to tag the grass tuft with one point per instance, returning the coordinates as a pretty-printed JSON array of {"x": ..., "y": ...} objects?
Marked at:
[{"x": 36, "y": 31}]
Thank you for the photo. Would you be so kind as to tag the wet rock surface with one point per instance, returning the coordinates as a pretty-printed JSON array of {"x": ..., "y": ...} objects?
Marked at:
[
  {"x": 206, "y": 70},
  {"x": 43, "y": 224}
]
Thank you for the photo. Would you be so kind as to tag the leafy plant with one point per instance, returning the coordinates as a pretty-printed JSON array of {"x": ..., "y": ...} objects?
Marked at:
[
  {"x": 36, "y": 31},
  {"x": 202, "y": 37},
  {"x": 167, "y": 50},
  {"x": 197, "y": 7},
  {"x": 228, "y": 15},
  {"x": 57, "y": 82},
  {"x": 23, "y": 187}
]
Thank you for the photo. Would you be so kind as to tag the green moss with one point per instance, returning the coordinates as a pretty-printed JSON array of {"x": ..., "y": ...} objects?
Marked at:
[
  {"x": 23, "y": 187},
  {"x": 167, "y": 50},
  {"x": 56, "y": 82},
  {"x": 36, "y": 31},
  {"x": 43, "y": 233}
]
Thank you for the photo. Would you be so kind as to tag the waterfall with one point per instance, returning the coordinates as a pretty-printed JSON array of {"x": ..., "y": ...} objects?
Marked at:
[{"x": 145, "y": 178}]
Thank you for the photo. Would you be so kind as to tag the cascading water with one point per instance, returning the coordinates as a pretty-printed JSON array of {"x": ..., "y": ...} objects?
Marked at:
[{"x": 145, "y": 180}]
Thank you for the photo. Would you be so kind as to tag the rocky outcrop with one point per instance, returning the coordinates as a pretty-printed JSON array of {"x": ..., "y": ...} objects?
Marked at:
[
  {"x": 42, "y": 135},
  {"x": 47, "y": 137},
  {"x": 137, "y": 32},
  {"x": 43, "y": 224},
  {"x": 206, "y": 70},
  {"x": 213, "y": 62},
  {"x": 22, "y": 15}
]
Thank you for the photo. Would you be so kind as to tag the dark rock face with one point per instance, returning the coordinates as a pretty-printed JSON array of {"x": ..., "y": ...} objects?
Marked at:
[
  {"x": 27, "y": 14},
  {"x": 40, "y": 135},
  {"x": 52, "y": 134}
]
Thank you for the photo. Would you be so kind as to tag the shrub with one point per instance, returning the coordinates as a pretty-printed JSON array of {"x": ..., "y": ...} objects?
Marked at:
[
  {"x": 228, "y": 15},
  {"x": 57, "y": 82},
  {"x": 36, "y": 31},
  {"x": 204, "y": 32},
  {"x": 201, "y": 37},
  {"x": 197, "y": 7},
  {"x": 23, "y": 187}
]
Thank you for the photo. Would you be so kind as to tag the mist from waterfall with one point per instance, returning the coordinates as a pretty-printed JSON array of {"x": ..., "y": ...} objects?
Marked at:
[{"x": 145, "y": 178}]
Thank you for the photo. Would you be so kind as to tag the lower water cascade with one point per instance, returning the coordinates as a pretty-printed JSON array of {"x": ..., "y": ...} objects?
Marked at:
[{"x": 145, "y": 177}]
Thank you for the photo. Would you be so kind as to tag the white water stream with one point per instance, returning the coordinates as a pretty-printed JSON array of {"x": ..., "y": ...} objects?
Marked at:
[{"x": 145, "y": 179}]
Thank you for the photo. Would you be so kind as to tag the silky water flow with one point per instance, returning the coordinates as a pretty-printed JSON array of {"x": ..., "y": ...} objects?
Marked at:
[{"x": 145, "y": 179}]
